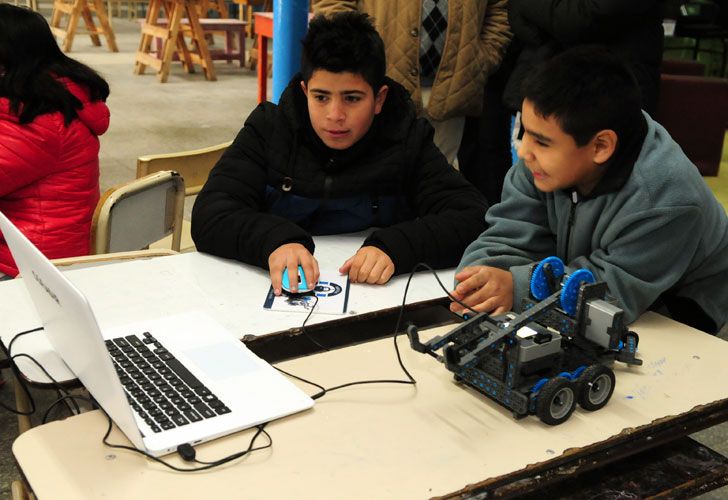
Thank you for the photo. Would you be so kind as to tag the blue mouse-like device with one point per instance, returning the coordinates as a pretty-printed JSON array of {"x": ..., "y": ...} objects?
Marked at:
[{"x": 302, "y": 283}]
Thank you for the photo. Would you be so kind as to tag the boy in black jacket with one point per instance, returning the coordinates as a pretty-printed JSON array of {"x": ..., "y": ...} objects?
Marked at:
[{"x": 342, "y": 151}]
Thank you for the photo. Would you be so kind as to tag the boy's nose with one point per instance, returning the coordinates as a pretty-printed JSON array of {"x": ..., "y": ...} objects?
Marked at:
[
  {"x": 335, "y": 112},
  {"x": 521, "y": 150}
]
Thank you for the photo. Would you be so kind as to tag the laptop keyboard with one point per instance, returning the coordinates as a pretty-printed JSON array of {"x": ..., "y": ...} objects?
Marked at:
[{"x": 159, "y": 388}]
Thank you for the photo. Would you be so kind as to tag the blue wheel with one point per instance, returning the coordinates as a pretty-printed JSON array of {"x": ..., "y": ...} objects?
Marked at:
[
  {"x": 539, "y": 280},
  {"x": 570, "y": 290}
]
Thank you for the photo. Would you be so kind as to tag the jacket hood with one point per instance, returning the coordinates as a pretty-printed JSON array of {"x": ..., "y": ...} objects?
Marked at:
[{"x": 94, "y": 114}]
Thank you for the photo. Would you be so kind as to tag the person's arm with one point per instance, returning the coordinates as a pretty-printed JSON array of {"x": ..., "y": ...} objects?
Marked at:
[
  {"x": 449, "y": 213},
  {"x": 328, "y": 7},
  {"x": 229, "y": 218},
  {"x": 651, "y": 251},
  {"x": 518, "y": 232},
  {"x": 495, "y": 34}
]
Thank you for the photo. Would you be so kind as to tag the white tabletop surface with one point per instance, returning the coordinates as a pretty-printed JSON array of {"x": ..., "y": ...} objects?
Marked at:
[
  {"x": 385, "y": 440},
  {"x": 232, "y": 292}
]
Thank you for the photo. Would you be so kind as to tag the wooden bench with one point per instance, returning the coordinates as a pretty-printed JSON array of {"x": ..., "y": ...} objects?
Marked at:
[
  {"x": 77, "y": 10},
  {"x": 233, "y": 31},
  {"x": 173, "y": 40}
]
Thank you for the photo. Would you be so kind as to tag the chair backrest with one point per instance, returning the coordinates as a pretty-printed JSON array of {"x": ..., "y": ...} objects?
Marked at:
[
  {"x": 682, "y": 67},
  {"x": 194, "y": 166},
  {"x": 140, "y": 212},
  {"x": 694, "y": 110}
]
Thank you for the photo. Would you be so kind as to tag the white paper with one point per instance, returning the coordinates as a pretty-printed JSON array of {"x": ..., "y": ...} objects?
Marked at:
[{"x": 330, "y": 296}]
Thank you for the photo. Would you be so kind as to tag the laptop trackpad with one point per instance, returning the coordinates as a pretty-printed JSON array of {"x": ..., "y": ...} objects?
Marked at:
[{"x": 220, "y": 362}]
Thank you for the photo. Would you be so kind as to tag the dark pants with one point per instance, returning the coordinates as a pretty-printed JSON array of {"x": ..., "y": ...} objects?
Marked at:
[
  {"x": 686, "y": 311},
  {"x": 485, "y": 149}
]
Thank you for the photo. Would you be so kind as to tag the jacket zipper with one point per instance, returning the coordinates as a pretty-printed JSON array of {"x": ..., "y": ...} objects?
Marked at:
[
  {"x": 327, "y": 187},
  {"x": 572, "y": 219}
]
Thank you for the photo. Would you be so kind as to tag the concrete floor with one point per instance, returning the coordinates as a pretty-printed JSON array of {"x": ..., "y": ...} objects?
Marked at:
[{"x": 187, "y": 112}]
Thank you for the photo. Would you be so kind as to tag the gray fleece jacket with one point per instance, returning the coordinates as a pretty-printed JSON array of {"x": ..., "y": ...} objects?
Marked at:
[{"x": 660, "y": 230}]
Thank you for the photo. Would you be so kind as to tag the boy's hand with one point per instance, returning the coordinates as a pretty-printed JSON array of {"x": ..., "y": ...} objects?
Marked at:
[
  {"x": 291, "y": 255},
  {"x": 483, "y": 288},
  {"x": 369, "y": 265}
]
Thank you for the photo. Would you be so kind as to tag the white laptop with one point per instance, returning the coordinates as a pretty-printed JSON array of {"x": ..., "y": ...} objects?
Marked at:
[{"x": 165, "y": 382}]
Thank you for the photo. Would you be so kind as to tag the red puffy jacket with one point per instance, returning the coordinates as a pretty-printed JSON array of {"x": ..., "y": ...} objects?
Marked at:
[{"x": 49, "y": 177}]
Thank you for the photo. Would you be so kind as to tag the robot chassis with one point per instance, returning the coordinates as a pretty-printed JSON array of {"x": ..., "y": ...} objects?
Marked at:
[{"x": 546, "y": 359}]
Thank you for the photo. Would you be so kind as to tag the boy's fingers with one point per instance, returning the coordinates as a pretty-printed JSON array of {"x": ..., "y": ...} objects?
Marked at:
[
  {"x": 355, "y": 269},
  {"x": 377, "y": 272},
  {"x": 344, "y": 269},
  {"x": 367, "y": 270},
  {"x": 466, "y": 272},
  {"x": 387, "y": 274},
  {"x": 316, "y": 271},
  {"x": 309, "y": 273},
  {"x": 292, "y": 276}
]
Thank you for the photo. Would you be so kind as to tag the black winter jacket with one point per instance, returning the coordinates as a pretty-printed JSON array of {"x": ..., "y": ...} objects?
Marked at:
[
  {"x": 632, "y": 28},
  {"x": 278, "y": 183}
]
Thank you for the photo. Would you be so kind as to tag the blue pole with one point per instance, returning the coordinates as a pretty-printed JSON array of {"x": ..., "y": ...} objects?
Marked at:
[{"x": 290, "y": 22}]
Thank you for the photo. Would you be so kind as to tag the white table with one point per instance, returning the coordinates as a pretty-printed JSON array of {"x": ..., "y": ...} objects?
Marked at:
[
  {"x": 231, "y": 292},
  {"x": 398, "y": 441}
]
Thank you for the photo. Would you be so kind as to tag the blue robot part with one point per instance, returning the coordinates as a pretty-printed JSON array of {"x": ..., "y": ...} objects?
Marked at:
[
  {"x": 529, "y": 364},
  {"x": 570, "y": 290},
  {"x": 540, "y": 282}
]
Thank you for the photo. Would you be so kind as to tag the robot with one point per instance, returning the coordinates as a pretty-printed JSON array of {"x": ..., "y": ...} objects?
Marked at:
[{"x": 544, "y": 361}]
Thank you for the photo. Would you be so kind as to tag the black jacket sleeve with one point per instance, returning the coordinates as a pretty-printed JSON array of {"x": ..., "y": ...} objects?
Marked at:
[
  {"x": 450, "y": 212},
  {"x": 228, "y": 218}
]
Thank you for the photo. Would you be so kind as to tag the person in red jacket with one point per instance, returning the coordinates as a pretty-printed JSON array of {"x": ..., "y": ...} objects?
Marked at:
[{"x": 52, "y": 111}]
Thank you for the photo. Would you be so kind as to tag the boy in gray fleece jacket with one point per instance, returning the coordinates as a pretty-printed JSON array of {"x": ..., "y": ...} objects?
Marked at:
[{"x": 601, "y": 185}]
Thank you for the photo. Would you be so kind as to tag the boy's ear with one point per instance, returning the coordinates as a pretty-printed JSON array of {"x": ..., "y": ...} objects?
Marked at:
[
  {"x": 605, "y": 143},
  {"x": 380, "y": 98},
  {"x": 303, "y": 87}
]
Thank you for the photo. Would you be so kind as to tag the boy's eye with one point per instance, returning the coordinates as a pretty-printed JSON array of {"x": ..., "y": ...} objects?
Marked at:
[
  {"x": 320, "y": 97},
  {"x": 541, "y": 143},
  {"x": 353, "y": 98}
]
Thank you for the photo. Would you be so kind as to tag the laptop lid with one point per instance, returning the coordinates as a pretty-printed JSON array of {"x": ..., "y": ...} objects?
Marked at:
[{"x": 253, "y": 389}]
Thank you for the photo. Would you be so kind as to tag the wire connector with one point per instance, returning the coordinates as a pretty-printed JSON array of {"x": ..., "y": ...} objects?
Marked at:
[{"x": 187, "y": 452}]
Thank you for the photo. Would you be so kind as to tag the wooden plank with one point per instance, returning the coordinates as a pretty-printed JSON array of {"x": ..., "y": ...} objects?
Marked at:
[{"x": 681, "y": 469}]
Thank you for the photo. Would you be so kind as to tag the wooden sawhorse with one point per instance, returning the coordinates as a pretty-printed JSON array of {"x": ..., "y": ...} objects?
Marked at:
[
  {"x": 76, "y": 9},
  {"x": 173, "y": 39}
]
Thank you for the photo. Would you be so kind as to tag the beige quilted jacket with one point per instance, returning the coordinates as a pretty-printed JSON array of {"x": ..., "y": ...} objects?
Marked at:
[{"x": 477, "y": 37}]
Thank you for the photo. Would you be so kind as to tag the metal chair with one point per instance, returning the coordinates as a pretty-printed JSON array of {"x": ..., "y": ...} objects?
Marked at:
[
  {"x": 134, "y": 215},
  {"x": 194, "y": 166},
  {"x": 703, "y": 20},
  {"x": 694, "y": 110}
]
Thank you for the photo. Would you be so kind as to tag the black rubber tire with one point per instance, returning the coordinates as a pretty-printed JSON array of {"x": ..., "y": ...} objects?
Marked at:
[
  {"x": 556, "y": 401},
  {"x": 596, "y": 385}
]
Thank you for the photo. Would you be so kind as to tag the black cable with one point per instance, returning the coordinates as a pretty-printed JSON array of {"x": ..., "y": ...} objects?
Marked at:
[
  {"x": 427, "y": 266},
  {"x": 315, "y": 396},
  {"x": 18, "y": 335},
  {"x": 72, "y": 397},
  {"x": 206, "y": 466},
  {"x": 18, "y": 377},
  {"x": 55, "y": 383},
  {"x": 410, "y": 379},
  {"x": 261, "y": 430},
  {"x": 303, "y": 326}
]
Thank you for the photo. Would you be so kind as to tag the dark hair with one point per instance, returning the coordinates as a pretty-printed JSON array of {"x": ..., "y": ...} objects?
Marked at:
[
  {"x": 31, "y": 62},
  {"x": 586, "y": 89},
  {"x": 344, "y": 42}
]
